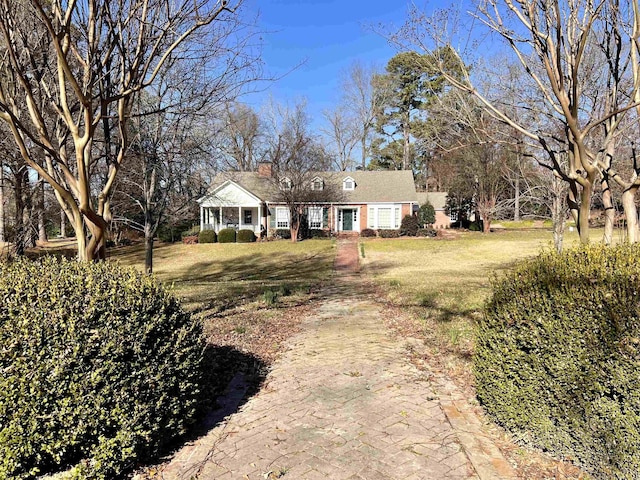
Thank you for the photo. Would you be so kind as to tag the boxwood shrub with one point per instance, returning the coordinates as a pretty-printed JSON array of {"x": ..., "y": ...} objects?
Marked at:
[
  {"x": 207, "y": 236},
  {"x": 558, "y": 356},
  {"x": 427, "y": 232},
  {"x": 389, "y": 233},
  {"x": 246, "y": 236},
  {"x": 283, "y": 233},
  {"x": 409, "y": 226},
  {"x": 368, "y": 232},
  {"x": 227, "y": 235},
  {"x": 101, "y": 369}
]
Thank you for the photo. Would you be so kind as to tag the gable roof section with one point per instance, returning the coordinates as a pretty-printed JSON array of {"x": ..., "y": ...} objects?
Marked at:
[
  {"x": 437, "y": 199},
  {"x": 229, "y": 193},
  {"x": 392, "y": 186}
]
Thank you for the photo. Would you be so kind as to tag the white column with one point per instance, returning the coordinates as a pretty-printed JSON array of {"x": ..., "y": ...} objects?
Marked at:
[
  {"x": 239, "y": 217},
  {"x": 201, "y": 217},
  {"x": 259, "y": 219}
]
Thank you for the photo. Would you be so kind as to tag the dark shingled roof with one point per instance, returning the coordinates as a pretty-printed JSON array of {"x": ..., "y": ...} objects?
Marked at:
[
  {"x": 371, "y": 186},
  {"x": 437, "y": 199}
]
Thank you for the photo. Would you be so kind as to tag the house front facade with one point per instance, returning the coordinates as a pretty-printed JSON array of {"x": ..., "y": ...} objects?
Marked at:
[{"x": 355, "y": 201}]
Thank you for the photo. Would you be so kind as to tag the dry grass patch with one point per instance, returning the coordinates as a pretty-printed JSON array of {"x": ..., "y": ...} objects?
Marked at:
[{"x": 443, "y": 284}]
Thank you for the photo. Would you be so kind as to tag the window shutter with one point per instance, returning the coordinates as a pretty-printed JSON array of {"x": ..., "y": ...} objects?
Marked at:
[
  {"x": 325, "y": 216},
  {"x": 272, "y": 218}
]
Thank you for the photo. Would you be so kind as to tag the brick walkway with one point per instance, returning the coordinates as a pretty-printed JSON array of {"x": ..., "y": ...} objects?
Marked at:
[{"x": 342, "y": 403}]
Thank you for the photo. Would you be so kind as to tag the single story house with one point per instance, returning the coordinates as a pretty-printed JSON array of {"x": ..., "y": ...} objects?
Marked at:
[
  {"x": 439, "y": 202},
  {"x": 363, "y": 199}
]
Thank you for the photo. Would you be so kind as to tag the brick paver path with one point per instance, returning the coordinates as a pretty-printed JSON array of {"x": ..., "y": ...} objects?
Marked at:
[{"x": 342, "y": 403}]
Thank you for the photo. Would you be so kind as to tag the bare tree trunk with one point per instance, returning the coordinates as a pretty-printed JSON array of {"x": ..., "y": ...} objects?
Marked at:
[
  {"x": 42, "y": 231},
  {"x": 516, "y": 207},
  {"x": 631, "y": 214},
  {"x": 63, "y": 224},
  {"x": 609, "y": 211},
  {"x": 2, "y": 210},
  {"x": 148, "y": 249}
]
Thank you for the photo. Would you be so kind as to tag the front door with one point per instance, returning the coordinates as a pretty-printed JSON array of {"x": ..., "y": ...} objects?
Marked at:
[{"x": 347, "y": 220}]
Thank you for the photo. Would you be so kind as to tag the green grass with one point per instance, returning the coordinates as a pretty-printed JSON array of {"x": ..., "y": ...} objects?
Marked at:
[
  {"x": 216, "y": 276},
  {"x": 444, "y": 283}
]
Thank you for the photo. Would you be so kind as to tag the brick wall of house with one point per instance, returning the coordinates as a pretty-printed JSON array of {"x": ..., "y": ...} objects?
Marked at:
[
  {"x": 442, "y": 220},
  {"x": 364, "y": 212},
  {"x": 406, "y": 210}
]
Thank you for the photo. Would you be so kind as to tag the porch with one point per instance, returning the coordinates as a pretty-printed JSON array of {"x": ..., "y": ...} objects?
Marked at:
[{"x": 236, "y": 217}]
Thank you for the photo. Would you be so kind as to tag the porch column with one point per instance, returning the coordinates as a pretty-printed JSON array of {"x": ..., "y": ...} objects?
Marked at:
[
  {"x": 239, "y": 217},
  {"x": 259, "y": 219},
  {"x": 201, "y": 218}
]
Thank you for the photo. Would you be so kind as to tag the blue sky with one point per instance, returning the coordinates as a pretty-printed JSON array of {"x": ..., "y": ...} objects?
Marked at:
[{"x": 323, "y": 37}]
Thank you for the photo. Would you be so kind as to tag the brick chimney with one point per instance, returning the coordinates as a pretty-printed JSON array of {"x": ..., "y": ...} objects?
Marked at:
[{"x": 265, "y": 169}]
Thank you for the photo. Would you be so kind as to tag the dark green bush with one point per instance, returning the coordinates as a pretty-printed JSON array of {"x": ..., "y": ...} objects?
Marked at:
[
  {"x": 318, "y": 233},
  {"x": 389, "y": 233},
  {"x": 426, "y": 214},
  {"x": 283, "y": 233},
  {"x": 475, "y": 227},
  {"x": 246, "y": 236},
  {"x": 101, "y": 368},
  {"x": 207, "y": 236},
  {"x": 227, "y": 235},
  {"x": 368, "y": 232},
  {"x": 191, "y": 232},
  {"x": 427, "y": 232},
  {"x": 409, "y": 226},
  {"x": 558, "y": 356}
]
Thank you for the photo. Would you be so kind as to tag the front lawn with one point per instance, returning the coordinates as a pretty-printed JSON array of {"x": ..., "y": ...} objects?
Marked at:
[{"x": 445, "y": 282}]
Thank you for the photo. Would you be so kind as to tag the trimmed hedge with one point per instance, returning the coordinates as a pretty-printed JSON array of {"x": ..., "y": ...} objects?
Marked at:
[
  {"x": 283, "y": 233},
  {"x": 427, "y": 232},
  {"x": 101, "y": 369},
  {"x": 409, "y": 226},
  {"x": 558, "y": 356},
  {"x": 207, "y": 236},
  {"x": 227, "y": 235},
  {"x": 246, "y": 236},
  {"x": 368, "y": 232},
  {"x": 389, "y": 233}
]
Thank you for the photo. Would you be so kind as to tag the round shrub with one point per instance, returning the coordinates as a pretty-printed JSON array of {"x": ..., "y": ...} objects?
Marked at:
[
  {"x": 558, "y": 356},
  {"x": 207, "y": 236},
  {"x": 283, "y": 233},
  {"x": 426, "y": 214},
  {"x": 368, "y": 232},
  {"x": 246, "y": 236},
  {"x": 227, "y": 235},
  {"x": 389, "y": 233},
  {"x": 409, "y": 226},
  {"x": 426, "y": 232},
  {"x": 318, "y": 233},
  {"x": 101, "y": 369}
]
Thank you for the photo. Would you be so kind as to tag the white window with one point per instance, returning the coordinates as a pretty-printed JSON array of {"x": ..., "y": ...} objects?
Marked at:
[
  {"x": 315, "y": 217},
  {"x": 384, "y": 217},
  {"x": 371, "y": 223},
  {"x": 285, "y": 183},
  {"x": 348, "y": 184},
  {"x": 317, "y": 184},
  {"x": 282, "y": 217},
  {"x": 397, "y": 218}
]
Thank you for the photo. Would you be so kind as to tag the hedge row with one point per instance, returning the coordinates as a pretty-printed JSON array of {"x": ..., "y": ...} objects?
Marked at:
[
  {"x": 101, "y": 369},
  {"x": 558, "y": 356}
]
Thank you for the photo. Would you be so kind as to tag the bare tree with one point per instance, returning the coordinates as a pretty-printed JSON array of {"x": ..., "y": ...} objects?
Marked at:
[
  {"x": 297, "y": 159},
  {"x": 573, "y": 55},
  {"x": 78, "y": 67},
  {"x": 343, "y": 135},
  {"x": 239, "y": 137}
]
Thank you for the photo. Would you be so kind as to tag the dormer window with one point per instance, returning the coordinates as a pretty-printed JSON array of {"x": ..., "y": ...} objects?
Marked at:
[
  {"x": 317, "y": 184},
  {"x": 285, "y": 183},
  {"x": 348, "y": 184}
]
